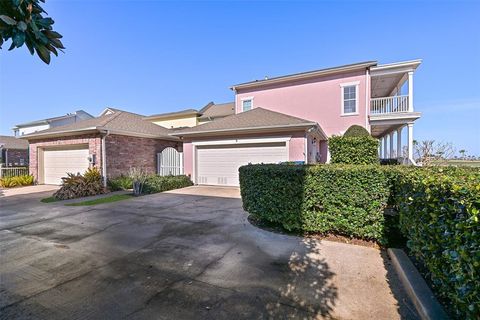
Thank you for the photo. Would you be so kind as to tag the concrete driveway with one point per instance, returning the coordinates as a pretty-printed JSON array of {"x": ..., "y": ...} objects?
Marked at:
[{"x": 185, "y": 254}]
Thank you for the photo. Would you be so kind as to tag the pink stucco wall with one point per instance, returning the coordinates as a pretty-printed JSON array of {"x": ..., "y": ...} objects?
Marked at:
[
  {"x": 318, "y": 100},
  {"x": 296, "y": 151}
]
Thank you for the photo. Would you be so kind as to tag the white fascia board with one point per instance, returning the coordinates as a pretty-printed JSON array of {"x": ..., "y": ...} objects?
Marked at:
[
  {"x": 242, "y": 141},
  {"x": 303, "y": 125}
]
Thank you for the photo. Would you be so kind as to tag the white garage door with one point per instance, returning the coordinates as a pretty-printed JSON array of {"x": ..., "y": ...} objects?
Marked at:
[
  {"x": 218, "y": 165},
  {"x": 56, "y": 163}
]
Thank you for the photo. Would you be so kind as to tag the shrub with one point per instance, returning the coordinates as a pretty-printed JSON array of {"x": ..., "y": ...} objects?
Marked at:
[
  {"x": 120, "y": 183},
  {"x": 77, "y": 185},
  {"x": 17, "y": 181},
  {"x": 389, "y": 162},
  {"x": 138, "y": 176},
  {"x": 353, "y": 150},
  {"x": 155, "y": 183},
  {"x": 439, "y": 215},
  {"x": 356, "y": 131},
  {"x": 343, "y": 199}
]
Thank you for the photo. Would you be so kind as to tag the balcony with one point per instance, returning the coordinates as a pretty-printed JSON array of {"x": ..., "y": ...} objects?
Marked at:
[{"x": 389, "y": 105}]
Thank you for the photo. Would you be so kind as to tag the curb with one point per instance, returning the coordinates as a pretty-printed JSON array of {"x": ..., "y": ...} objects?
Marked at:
[{"x": 425, "y": 302}]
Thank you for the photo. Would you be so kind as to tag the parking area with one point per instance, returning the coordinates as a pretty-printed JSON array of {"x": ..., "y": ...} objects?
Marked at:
[{"x": 184, "y": 254}]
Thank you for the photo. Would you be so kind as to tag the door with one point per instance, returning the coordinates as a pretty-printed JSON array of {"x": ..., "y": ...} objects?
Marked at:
[
  {"x": 218, "y": 165},
  {"x": 58, "y": 162}
]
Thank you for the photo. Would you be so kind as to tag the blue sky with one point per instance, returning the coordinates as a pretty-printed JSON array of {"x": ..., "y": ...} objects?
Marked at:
[{"x": 152, "y": 56}]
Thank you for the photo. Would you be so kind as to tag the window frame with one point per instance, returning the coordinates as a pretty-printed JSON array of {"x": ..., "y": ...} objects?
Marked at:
[
  {"x": 246, "y": 99},
  {"x": 355, "y": 84}
]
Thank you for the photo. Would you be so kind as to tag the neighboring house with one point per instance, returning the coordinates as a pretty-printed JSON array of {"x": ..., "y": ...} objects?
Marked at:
[
  {"x": 13, "y": 151},
  {"x": 114, "y": 142},
  {"x": 192, "y": 117},
  {"x": 290, "y": 118},
  {"x": 39, "y": 125}
]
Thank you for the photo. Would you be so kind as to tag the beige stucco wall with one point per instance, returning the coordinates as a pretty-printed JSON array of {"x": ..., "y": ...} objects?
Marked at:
[{"x": 190, "y": 121}]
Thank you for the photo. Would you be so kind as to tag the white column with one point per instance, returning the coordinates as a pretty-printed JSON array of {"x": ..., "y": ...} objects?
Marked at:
[
  {"x": 410, "y": 141},
  {"x": 410, "y": 91},
  {"x": 380, "y": 147},
  {"x": 399, "y": 142},
  {"x": 391, "y": 145},
  {"x": 385, "y": 147}
]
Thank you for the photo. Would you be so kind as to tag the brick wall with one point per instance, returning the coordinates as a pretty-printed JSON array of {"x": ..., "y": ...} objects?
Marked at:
[
  {"x": 124, "y": 152},
  {"x": 14, "y": 157},
  {"x": 93, "y": 141}
]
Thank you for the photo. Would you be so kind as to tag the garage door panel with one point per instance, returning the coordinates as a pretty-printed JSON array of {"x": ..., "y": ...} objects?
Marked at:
[
  {"x": 218, "y": 165},
  {"x": 57, "y": 163}
]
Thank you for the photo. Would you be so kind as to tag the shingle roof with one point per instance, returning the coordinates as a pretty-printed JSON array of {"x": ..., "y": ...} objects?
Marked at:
[
  {"x": 212, "y": 110},
  {"x": 121, "y": 122},
  {"x": 171, "y": 114},
  {"x": 257, "y": 118},
  {"x": 10, "y": 142}
]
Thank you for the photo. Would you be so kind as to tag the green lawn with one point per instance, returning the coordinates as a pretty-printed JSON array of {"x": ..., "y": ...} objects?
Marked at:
[
  {"x": 49, "y": 200},
  {"x": 461, "y": 163},
  {"x": 114, "y": 198}
]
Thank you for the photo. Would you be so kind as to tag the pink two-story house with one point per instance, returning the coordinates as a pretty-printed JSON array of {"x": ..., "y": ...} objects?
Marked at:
[{"x": 289, "y": 118}]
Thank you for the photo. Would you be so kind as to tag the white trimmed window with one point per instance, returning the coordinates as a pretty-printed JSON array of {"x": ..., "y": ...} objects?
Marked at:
[
  {"x": 349, "y": 98},
  {"x": 247, "y": 104}
]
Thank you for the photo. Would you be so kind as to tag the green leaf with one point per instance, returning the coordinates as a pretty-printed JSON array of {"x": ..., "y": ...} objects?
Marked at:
[
  {"x": 43, "y": 53},
  {"x": 18, "y": 39},
  {"x": 22, "y": 26},
  {"x": 53, "y": 34},
  {"x": 52, "y": 49},
  {"x": 29, "y": 44},
  {"x": 8, "y": 20},
  {"x": 57, "y": 43}
]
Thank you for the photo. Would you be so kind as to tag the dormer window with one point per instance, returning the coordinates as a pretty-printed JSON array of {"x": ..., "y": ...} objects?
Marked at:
[{"x": 247, "y": 104}]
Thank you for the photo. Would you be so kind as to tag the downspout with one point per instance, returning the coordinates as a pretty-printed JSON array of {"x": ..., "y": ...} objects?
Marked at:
[
  {"x": 104, "y": 159},
  {"x": 367, "y": 100}
]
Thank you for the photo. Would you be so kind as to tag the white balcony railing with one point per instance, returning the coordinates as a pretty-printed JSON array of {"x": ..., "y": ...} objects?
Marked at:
[{"x": 386, "y": 105}]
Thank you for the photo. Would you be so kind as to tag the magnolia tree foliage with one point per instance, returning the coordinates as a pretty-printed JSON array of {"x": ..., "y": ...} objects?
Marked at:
[{"x": 25, "y": 22}]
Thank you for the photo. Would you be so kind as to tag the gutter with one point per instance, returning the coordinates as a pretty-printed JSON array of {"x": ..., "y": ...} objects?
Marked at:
[
  {"x": 245, "y": 129},
  {"x": 53, "y": 134},
  {"x": 104, "y": 159},
  {"x": 304, "y": 75}
]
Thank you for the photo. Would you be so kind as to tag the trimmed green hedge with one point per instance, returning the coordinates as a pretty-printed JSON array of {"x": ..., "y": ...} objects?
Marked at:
[
  {"x": 439, "y": 215},
  {"x": 353, "y": 150},
  {"x": 153, "y": 184},
  {"x": 356, "y": 131},
  {"x": 343, "y": 199},
  {"x": 156, "y": 183}
]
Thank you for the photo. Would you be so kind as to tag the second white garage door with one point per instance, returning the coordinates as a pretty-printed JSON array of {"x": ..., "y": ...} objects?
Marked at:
[
  {"x": 218, "y": 165},
  {"x": 56, "y": 163}
]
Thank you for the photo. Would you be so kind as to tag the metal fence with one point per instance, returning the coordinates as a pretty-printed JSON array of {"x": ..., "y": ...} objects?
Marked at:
[{"x": 6, "y": 172}]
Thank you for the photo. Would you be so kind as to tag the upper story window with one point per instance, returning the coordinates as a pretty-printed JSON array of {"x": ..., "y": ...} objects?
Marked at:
[
  {"x": 247, "y": 104},
  {"x": 349, "y": 98}
]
